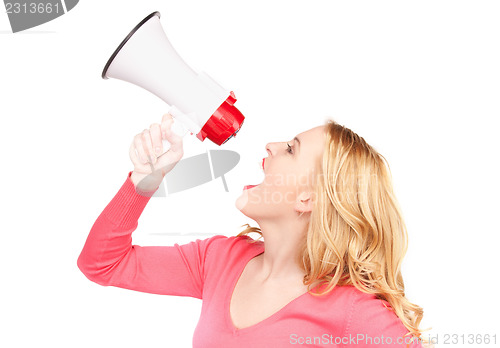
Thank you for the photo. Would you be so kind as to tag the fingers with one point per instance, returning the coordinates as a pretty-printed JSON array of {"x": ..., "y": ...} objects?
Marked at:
[
  {"x": 148, "y": 143},
  {"x": 166, "y": 123},
  {"x": 167, "y": 133},
  {"x": 133, "y": 154},
  {"x": 156, "y": 139},
  {"x": 139, "y": 146},
  {"x": 147, "y": 151}
]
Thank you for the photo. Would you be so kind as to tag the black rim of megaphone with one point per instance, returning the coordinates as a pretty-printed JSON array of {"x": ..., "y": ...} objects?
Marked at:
[{"x": 110, "y": 60}]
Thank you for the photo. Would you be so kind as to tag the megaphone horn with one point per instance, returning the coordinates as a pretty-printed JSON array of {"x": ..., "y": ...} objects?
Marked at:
[{"x": 147, "y": 59}]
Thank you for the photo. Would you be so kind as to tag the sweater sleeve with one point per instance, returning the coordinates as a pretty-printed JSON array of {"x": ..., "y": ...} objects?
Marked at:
[
  {"x": 372, "y": 324},
  {"x": 108, "y": 257}
]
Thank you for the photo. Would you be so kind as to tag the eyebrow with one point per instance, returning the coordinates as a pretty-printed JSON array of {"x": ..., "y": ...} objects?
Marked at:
[{"x": 298, "y": 141}]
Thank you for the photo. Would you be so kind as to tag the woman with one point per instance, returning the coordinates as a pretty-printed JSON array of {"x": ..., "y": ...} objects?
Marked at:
[{"x": 327, "y": 272}]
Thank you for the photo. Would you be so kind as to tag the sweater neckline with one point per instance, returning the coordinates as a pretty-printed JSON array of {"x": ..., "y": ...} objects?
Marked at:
[{"x": 273, "y": 317}]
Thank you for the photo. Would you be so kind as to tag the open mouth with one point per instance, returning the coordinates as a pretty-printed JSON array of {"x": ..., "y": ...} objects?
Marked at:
[{"x": 248, "y": 187}]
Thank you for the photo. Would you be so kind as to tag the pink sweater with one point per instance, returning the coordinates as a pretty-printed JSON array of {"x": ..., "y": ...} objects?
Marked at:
[{"x": 208, "y": 269}]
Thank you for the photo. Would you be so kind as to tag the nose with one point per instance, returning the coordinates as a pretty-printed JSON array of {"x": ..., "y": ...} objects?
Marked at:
[
  {"x": 268, "y": 149},
  {"x": 271, "y": 148}
]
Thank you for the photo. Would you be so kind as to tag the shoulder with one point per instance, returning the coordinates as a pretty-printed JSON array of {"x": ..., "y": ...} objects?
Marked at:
[
  {"x": 221, "y": 248},
  {"x": 219, "y": 240},
  {"x": 373, "y": 320},
  {"x": 367, "y": 307},
  {"x": 225, "y": 256}
]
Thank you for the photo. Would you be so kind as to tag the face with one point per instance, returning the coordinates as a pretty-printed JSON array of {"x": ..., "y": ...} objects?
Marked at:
[{"x": 289, "y": 173}]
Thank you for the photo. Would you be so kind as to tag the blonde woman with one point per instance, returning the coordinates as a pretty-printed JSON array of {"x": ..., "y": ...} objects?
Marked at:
[{"x": 326, "y": 272}]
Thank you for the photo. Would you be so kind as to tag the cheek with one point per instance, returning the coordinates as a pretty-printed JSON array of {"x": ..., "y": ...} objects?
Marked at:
[
  {"x": 279, "y": 191},
  {"x": 279, "y": 179},
  {"x": 287, "y": 181}
]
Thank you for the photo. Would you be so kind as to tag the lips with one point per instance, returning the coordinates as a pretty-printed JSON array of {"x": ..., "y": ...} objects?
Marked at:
[{"x": 263, "y": 160}]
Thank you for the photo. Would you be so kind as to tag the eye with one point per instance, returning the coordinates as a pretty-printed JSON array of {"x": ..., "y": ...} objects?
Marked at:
[{"x": 289, "y": 149}]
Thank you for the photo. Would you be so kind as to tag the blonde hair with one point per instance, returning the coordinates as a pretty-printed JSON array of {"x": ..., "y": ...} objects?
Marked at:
[{"x": 356, "y": 233}]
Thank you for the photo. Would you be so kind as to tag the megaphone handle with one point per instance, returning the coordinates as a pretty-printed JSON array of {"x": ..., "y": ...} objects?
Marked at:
[{"x": 179, "y": 129}]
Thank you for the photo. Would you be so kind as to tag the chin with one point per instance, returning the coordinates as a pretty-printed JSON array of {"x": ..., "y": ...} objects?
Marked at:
[
  {"x": 247, "y": 198},
  {"x": 241, "y": 202},
  {"x": 246, "y": 207}
]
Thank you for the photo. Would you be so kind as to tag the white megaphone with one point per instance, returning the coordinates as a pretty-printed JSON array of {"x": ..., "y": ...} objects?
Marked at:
[{"x": 147, "y": 59}]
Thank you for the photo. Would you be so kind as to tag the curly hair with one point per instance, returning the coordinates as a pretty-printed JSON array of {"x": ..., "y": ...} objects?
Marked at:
[{"x": 356, "y": 233}]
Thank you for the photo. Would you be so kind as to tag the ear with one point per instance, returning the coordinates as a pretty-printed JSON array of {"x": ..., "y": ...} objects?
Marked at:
[{"x": 304, "y": 203}]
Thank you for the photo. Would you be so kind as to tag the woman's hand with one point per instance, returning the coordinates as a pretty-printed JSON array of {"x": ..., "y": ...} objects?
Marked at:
[{"x": 146, "y": 153}]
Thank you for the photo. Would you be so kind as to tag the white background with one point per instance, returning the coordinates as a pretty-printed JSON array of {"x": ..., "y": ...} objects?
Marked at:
[{"x": 418, "y": 80}]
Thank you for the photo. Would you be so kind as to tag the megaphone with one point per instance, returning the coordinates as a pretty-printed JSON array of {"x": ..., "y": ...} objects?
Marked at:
[{"x": 147, "y": 59}]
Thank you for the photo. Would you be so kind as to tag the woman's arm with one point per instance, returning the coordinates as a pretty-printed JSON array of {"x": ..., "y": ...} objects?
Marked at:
[{"x": 108, "y": 257}]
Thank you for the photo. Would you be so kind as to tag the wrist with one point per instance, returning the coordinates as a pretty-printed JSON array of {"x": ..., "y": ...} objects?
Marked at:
[
  {"x": 136, "y": 178},
  {"x": 144, "y": 182}
]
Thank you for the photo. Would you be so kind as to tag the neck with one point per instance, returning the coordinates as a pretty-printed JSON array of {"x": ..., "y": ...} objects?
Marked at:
[{"x": 282, "y": 240}]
